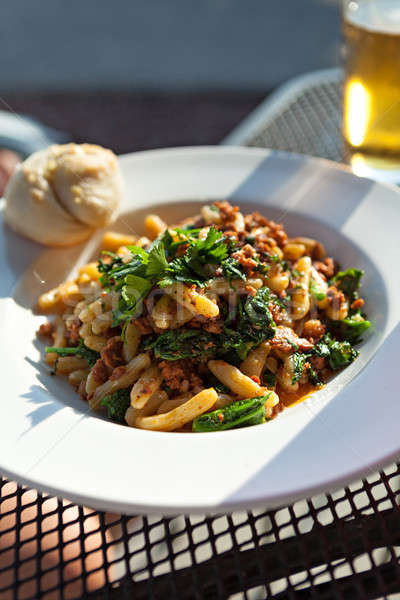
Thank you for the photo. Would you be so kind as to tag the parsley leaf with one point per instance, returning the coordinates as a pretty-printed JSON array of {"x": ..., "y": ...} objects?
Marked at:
[{"x": 157, "y": 263}]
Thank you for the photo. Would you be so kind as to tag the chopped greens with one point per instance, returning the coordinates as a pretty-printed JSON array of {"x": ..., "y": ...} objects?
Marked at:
[
  {"x": 117, "y": 404},
  {"x": 299, "y": 361},
  {"x": 241, "y": 413},
  {"x": 157, "y": 263},
  {"x": 350, "y": 329},
  {"x": 269, "y": 378},
  {"x": 341, "y": 354},
  {"x": 160, "y": 265},
  {"x": 231, "y": 269},
  {"x": 81, "y": 350},
  {"x": 254, "y": 324},
  {"x": 133, "y": 292},
  {"x": 338, "y": 354},
  {"x": 182, "y": 343},
  {"x": 257, "y": 311},
  {"x": 348, "y": 281}
]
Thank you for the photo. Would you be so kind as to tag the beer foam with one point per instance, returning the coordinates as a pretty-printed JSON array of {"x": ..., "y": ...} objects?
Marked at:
[{"x": 381, "y": 16}]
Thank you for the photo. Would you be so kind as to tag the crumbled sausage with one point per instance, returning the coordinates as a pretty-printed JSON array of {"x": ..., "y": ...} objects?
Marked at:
[
  {"x": 179, "y": 376},
  {"x": 255, "y": 220},
  {"x": 286, "y": 340},
  {"x": 73, "y": 331},
  {"x": 278, "y": 233},
  {"x": 99, "y": 371},
  {"x": 313, "y": 330},
  {"x": 227, "y": 211},
  {"x": 279, "y": 315},
  {"x": 325, "y": 267},
  {"x": 245, "y": 256},
  {"x": 143, "y": 325},
  {"x": 112, "y": 352},
  {"x": 213, "y": 325}
]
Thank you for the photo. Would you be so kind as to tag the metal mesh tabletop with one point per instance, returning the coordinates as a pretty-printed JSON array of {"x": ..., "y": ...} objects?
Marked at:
[{"x": 342, "y": 545}]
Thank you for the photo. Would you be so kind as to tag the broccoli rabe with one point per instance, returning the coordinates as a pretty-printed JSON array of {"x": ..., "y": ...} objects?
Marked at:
[
  {"x": 269, "y": 378},
  {"x": 299, "y": 359},
  {"x": 241, "y": 413},
  {"x": 350, "y": 329},
  {"x": 341, "y": 354},
  {"x": 338, "y": 354},
  {"x": 348, "y": 281},
  {"x": 117, "y": 404},
  {"x": 80, "y": 350},
  {"x": 182, "y": 343}
]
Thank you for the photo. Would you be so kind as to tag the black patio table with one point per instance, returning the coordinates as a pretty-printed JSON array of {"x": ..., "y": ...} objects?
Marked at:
[{"x": 333, "y": 546}]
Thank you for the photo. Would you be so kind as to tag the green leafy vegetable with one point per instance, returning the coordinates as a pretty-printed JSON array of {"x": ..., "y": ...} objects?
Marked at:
[
  {"x": 241, "y": 413},
  {"x": 350, "y": 329},
  {"x": 299, "y": 359},
  {"x": 269, "y": 378},
  {"x": 157, "y": 263},
  {"x": 81, "y": 350},
  {"x": 253, "y": 325},
  {"x": 179, "y": 271},
  {"x": 133, "y": 292},
  {"x": 314, "y": 377},
  {"x": 117, "y": 404},
  {"x": 212, "y": 250},
  {"x": 231, "y": 269},
  {"x": 257, "y": 311},
  {"x": 114, "y": 272},
  {"x": 182, "y": 343},
  {"x": 341, "y": 354},
  {"x": 348, "y": 281},
  {"x": 338, "y": 353}
]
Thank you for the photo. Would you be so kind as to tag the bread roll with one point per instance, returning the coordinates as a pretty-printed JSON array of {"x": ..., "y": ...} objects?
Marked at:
[{"x": 59, "y": 195}]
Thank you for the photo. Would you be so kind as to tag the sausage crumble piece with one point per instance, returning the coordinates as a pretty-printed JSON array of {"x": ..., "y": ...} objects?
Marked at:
[
  {"x": 112, "y": 352},
  {"x": 179, "y": 376},
  {"x": 286, "y": 340}
]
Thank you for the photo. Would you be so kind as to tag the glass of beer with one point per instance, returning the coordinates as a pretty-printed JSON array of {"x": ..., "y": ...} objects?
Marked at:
[{"x": 371, "y": 123}]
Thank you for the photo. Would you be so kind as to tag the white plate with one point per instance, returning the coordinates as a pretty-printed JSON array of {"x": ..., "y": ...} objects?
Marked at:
[{"x": 50, "y": 441}]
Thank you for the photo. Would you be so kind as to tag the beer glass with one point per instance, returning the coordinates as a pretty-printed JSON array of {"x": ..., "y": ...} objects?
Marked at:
[{"x": 371, "y": 121}]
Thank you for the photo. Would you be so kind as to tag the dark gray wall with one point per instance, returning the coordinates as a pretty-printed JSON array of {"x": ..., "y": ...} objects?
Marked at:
[{"x": 163, "y": 44}]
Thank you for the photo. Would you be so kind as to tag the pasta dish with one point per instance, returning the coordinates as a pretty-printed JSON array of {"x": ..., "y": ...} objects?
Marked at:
[{"x": 218, "y": 322}]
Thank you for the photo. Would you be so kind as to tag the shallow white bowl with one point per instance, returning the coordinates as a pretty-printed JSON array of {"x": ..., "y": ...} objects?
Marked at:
[{"x": 51, "y": 441}]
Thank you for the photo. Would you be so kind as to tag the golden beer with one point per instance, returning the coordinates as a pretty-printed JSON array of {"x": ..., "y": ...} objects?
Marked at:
[{"x": 372, "y": 85}]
